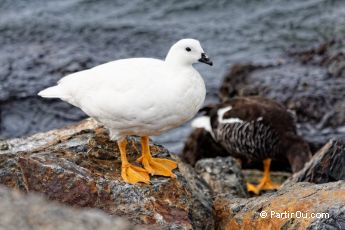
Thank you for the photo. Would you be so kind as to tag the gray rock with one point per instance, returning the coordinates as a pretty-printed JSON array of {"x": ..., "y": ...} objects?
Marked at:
[
  {"x": 201, "y": 191},
  {"x": 335, "y": 221},
  {"x": 299, "y": 198},
  {"x": 79, "y": 166},
  {"x": 26, "y": 212},
  {"x": 223, "y": 175}
]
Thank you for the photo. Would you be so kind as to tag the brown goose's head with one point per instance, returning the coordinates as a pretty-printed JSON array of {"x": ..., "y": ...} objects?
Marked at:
[{"x": 298, "y": 152}]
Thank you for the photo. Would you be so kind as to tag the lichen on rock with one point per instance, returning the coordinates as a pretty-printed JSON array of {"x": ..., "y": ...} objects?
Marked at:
[
  {"x": 79, "y": 166},
  {"x": 304, "y": 197}
]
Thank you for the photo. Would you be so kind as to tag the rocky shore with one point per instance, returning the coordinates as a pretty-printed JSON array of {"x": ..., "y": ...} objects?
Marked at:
[
  {"x": 77, "y": 168},
  {"x": 80, "y": 167}
]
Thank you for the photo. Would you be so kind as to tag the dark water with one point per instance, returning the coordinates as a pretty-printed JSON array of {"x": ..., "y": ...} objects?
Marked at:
[{"x": 41, "y": 41}]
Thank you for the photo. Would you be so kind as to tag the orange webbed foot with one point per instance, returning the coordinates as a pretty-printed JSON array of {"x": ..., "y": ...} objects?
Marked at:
[
  {"x": 158, "y": 166},
  {"x": 256, "y": 189},
  {"x": 133, "y": 174},
  {"x": 155, "y": 166},
  {"x": 265, "y": 183}
]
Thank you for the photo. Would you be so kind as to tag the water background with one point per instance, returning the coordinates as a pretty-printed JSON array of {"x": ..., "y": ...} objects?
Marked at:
[{"x": 42, "y": 41}]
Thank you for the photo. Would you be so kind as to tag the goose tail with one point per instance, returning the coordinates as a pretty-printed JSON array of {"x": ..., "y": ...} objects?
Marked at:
[{"x": 51, "y": 92}]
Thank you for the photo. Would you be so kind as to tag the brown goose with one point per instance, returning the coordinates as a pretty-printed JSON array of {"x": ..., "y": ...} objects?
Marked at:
[{"x": 256, "y": 128}]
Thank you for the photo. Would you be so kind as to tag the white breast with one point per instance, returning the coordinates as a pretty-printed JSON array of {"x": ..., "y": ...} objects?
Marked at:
[{"x": 137, "y": 96}]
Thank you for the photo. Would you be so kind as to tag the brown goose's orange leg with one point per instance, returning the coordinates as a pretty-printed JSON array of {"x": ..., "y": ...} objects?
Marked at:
[
  {"x": 266, "y": 182},
  {"x": 155, "y": 166},
  {"x": 130, "y": 173}
]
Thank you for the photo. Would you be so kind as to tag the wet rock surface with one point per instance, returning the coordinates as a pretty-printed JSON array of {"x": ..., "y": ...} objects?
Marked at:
[
  {"x": 20, "y": 211},
  {"x": 80, "y": 167}
]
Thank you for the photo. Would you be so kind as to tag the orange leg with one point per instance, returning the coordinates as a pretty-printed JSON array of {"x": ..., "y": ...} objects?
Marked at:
[
  {"x": 155, "y": 166},
  {"x": 130, "y": 173},
  {"x": 265, "y": 183}
]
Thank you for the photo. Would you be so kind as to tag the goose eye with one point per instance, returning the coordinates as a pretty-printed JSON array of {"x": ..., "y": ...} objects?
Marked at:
[{"x": 188, "y": 49}]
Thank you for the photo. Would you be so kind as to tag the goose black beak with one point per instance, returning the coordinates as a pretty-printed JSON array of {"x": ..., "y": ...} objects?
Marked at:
[{"x": 205, "y": 59}]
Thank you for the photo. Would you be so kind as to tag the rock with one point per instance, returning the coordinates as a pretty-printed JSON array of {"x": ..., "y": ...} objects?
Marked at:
[
  {"x": 79, "y": 166},
  {"x": 3, "y": 145},
  {"x": 235, "y": 212},
  {"x": 299, "y": 199},
  {"x": 236, "y": 80},
  {"x": 200, "y": 189},
  {"x": 310, "y": 82},
  {"x": 336, "y": 220},
  {"x": 223, "y": 175},
  {"x": 19, "y": 211},
  {"x": 327, "y": 165}
]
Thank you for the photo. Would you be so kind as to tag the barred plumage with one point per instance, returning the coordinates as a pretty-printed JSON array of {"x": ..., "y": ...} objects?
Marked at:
[
  {"x": 256, "y": 128},
  {"x": 253, "y": 140}
]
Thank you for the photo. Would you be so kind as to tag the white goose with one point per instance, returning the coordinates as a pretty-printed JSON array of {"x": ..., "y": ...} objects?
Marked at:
[{"x": 139, "y": 96}]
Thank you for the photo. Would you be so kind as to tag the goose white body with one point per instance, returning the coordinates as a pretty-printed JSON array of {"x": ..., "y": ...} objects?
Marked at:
[{"x": 136, "y": 96}]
